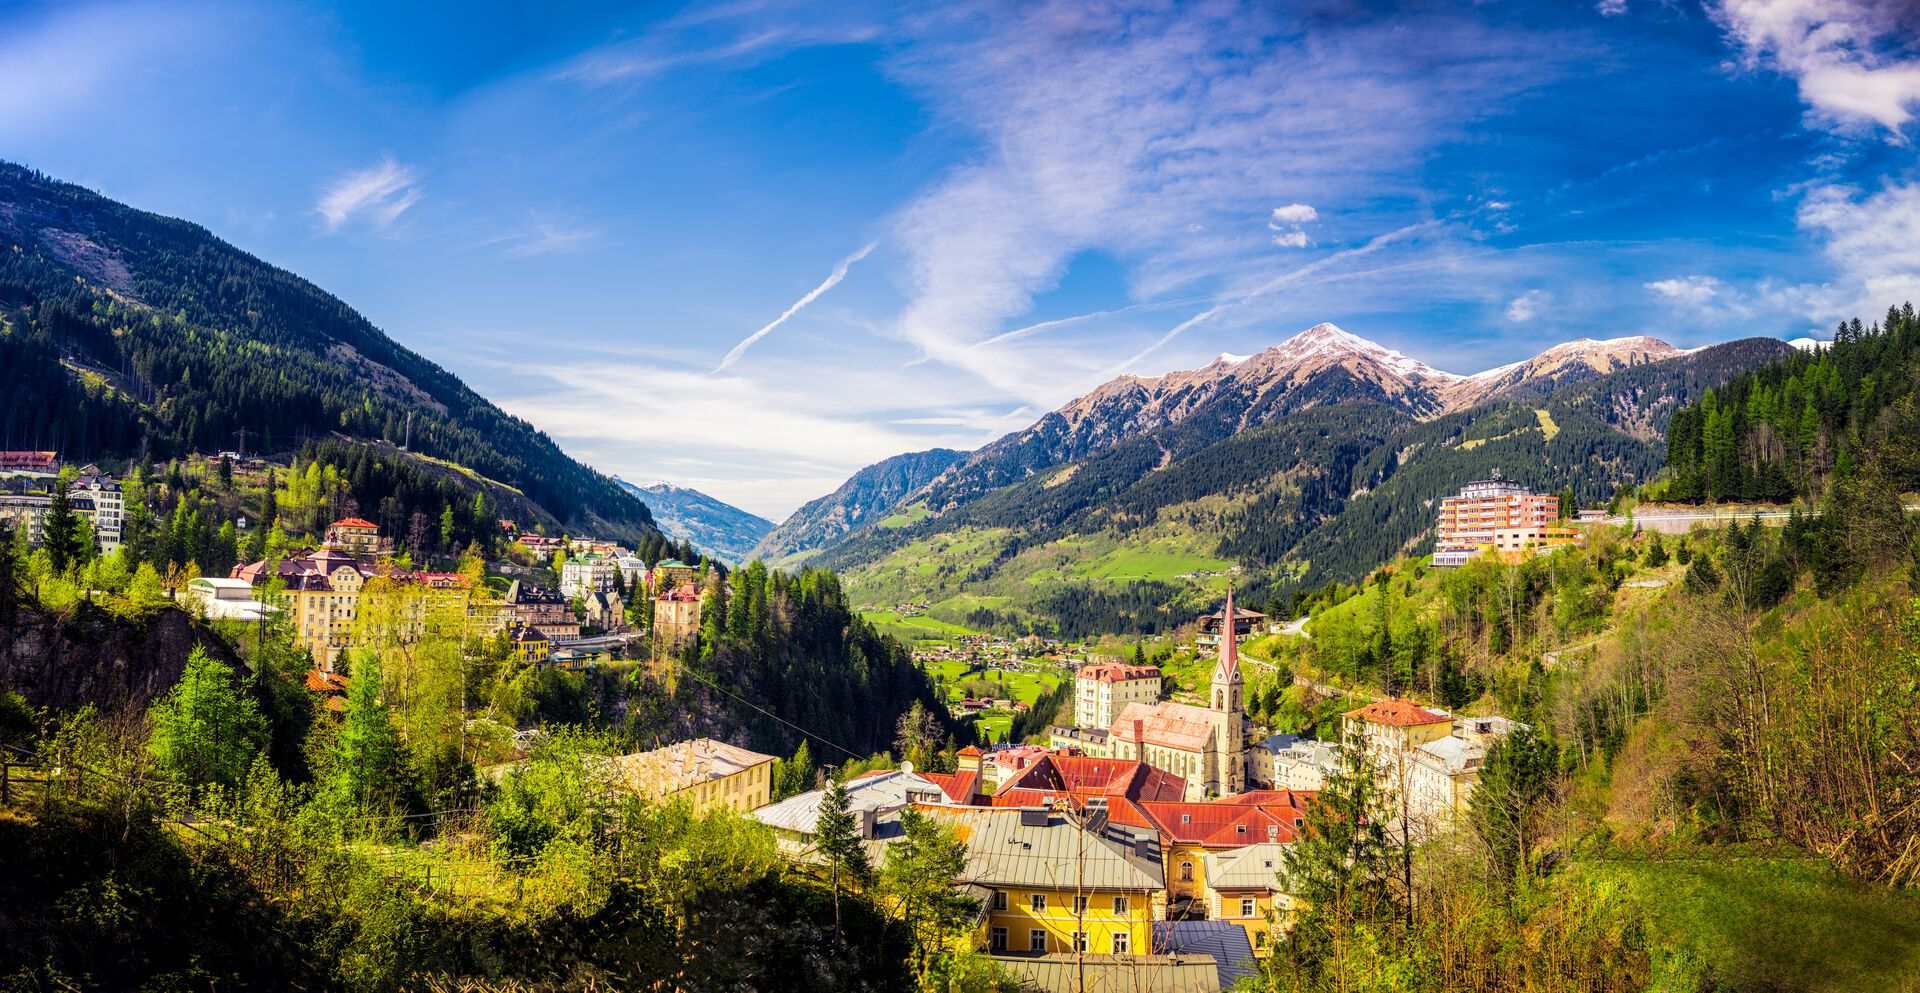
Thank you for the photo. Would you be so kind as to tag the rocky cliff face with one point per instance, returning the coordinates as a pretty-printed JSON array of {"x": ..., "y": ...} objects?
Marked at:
[{"x": 92, "y": 657}]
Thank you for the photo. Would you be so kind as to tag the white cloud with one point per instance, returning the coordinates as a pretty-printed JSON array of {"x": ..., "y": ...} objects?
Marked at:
[
  {"x": 1691, "y": 291},
  {"x": 1526, "y": 306},
  {"x": 1611, "y": 8},
  {"x": 547, "y": 238},
  {"x": 378, "y": 195},
  {"x": 1149, "y": 133},
  {"x": 1293, "y": 213},
  {"x": 1872, "y": 240},
  {"x": 1853, "y": 59},
  {"x": 833, "y": 279}
]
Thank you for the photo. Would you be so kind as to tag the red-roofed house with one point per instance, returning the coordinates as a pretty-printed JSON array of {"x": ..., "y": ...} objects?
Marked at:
[
  {"x": 1394, "y": 729},
  {"x": 354, "y": 534}
]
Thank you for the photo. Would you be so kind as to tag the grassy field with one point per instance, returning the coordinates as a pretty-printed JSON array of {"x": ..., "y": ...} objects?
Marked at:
[
  {"x": 913, "y": 513},
  {"x": 1771, "y": 923},
  {"x": 922, "y": 628}
]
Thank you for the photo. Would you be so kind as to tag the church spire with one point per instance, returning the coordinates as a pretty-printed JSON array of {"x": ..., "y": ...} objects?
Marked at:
[{"x": 1229, "y": 665}]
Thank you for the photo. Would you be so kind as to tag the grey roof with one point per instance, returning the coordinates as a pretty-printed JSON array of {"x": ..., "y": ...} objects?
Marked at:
[
  {"x": 1253, "y": 867},
  {"x": 1002, "y": 851},
  {"x": 1224, "y": 942},
  {"x": 1455, "y": 755},
  {"x": 882, "y": 794},
  {"x": 1061, "y": 972},
  {"x": 1278, "y": 742}
]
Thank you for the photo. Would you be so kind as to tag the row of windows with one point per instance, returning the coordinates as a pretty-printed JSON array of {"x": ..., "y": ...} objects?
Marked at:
[
  {"x": 1120, "y": 944},
  {"x": 1037, "y": 903}
]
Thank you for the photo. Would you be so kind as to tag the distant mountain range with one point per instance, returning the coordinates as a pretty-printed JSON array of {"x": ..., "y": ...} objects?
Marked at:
[
  {"x": 130, "y": 334},
  {"x": 1312, "y": 460},
  {"x": 870, "y": 491},
  {"x": 712, "y": 525}
]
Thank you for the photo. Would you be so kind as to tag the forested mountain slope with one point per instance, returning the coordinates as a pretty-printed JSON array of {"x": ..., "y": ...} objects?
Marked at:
[
  {"x": 1291, "y": 496},
  {"x": 871, "y": 491},
  {"x": 127, "y": 333}
]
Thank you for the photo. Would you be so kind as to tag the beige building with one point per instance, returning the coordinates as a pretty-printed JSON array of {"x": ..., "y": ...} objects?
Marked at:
[
  {"x": 1102, "y": 691},
  {"x": 1290, "y": 762},
  {"x": 707, "y": 773},
  {"x": 676, "y": 617},
  {"x": 1243, "y": 888},
  {"x": 1470, "y": 520}
]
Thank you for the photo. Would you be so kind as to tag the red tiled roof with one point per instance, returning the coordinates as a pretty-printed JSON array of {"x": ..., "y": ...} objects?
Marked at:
[
  {"x": 355, "y": 522},
  {"x": 1178, "y": 726},
  {"x": 959, "y": 787},
  {"x": 1397, "y": 713},
  {"x": 322, "y": 681},
  {"x": 1083, "y": 776},
  {"x": 1224, "y": 825},
  {"x": 1115, "y": 672}
]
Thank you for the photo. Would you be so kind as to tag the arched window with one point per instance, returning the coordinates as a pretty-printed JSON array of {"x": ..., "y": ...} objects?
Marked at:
[
  {"x": 1217, "y": 698},
  {"x": 1186, "y": 872}
]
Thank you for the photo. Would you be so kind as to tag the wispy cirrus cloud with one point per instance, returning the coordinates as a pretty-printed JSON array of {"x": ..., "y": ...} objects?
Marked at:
[
  {"x": 833, "y": 279},
  {"x": 1162, "y": 137},
  {"x": 376, "y": 195}
]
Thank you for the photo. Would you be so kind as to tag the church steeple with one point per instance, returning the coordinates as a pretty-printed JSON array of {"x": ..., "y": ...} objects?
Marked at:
[
  {"x": 1227, "y": 669},
  {"x": 1228, "y": 710}
]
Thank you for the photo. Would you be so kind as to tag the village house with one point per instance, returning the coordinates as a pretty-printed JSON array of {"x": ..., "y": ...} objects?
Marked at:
[
  {"x": 669, "y": 574},
  {"x": 1059, "y": 882},
  {"x": 875, "y": 800},
  {"x": 356, "y": 536},
  {"x": 1191, "y": 831},
  {"x": 1246, "y": 624},
  {"x": 709, "y": 774},
  {"x": 588, "y": 574},
  {"x": 1291, "y": 762},
  {"x": 530, "y": 647},
  {"x": 542, "y": 609},
  {"x": 1244, "y": 889},
  {"x": 219, "y": 599}
]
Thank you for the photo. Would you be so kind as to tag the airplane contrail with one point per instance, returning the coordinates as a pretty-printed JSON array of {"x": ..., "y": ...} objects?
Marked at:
[{"x": 839, "y": 273}]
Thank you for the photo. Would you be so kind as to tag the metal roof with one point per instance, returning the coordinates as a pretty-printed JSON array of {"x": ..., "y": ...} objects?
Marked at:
[
  {"x": 1004, "y": 850},
  {"x": 1221, "y": 941},
  {"x": 1255, "y": 867},
  {"x": 882, "y": 793},
  {"x": 680, "y": 765},
  {"x": 1062, "y": 972}
]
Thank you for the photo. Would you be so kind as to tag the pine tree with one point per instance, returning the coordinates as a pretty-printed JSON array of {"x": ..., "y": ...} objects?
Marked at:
[
  {"x": 368, "y": 767},
  {"x": 60, "y": 531},
  {"x": 205, "y": 731},
  {"x": 1342, "y": 862},
  {"x": 837, "y": 839},
  {"x": 1516, "y": 782}
]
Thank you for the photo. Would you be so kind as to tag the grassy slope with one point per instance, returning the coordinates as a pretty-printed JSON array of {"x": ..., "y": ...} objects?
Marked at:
[{"x": 1770, "y": 923}]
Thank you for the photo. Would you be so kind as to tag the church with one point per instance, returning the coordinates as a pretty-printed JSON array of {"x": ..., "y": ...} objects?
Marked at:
[{"x": 1206, "y": 744}]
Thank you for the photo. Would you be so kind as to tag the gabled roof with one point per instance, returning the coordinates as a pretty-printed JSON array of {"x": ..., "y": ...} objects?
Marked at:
[
  {"x": 1398, "y": 713},
  {"x": 1117, "y": 672},
  {"x": 1220, "y": 824},
  {"x": 959, "y": 787},
  {"x": 1255, "y": 867},
  {"x": 1178, "y": 726},
  {"x": 882, "y": 791},
  {"x": 1083, "y": 776},
  {"x": 354, "y": 522},
  {"x": 1004, "y": 850},
  {"x": 1223, "y": 941},
  {"x": 680, "y": 765}
]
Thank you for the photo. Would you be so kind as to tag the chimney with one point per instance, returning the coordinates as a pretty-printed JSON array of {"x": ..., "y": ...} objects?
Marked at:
[
  {"x": 867, "y": 818},
  {"x": 1140, "y": 739}
]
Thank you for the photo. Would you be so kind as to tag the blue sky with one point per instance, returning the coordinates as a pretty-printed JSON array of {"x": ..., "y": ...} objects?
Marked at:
[{"x": 949, "y": 219}]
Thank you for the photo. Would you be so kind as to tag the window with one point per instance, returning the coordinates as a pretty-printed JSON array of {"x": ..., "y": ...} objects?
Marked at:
[
  {"x": 1122, "y": 942},
  {"x": 1079, "y": 941},
  {"x": 998, "y": 940},
  {"x": 1037, "y": 940},
  {"x": 1260, "y": 939},
  {"x": 1186, "y": 872},
  {"x": 1239, "y": 829},
  {"x": 1246, "y": 906},
  {"x": 1120, "y": 906},
  {"x": 1079, "y": 906},
  {"x": 999, "y": 899},
  {"x": 1037, "y": 903}
]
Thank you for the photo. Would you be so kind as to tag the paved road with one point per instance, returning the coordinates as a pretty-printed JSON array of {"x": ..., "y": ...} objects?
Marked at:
[{"x": 1682, "y": 521}]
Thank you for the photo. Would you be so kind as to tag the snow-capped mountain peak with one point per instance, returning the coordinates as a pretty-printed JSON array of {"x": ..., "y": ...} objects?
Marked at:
[{"x": 1327, "y": 343}]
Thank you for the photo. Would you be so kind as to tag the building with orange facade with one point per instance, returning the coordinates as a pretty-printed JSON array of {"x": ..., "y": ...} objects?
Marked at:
[{"x": 1471, "y": 521}]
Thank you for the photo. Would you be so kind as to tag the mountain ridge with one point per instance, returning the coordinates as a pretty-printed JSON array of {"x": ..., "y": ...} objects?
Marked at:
[
  {"x": 162, "y": 340},
  {"x": 686, "y": 514}
]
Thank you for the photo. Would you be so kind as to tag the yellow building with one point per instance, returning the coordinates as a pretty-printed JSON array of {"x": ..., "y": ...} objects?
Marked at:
[
  {"x": 1244, "y": 888},
  {"x": 1054, "y": 885},
  {"x": 530, "y": 647},
  {"x": 710, "y": 774},
  {"x": 1392, "y": 730}
]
